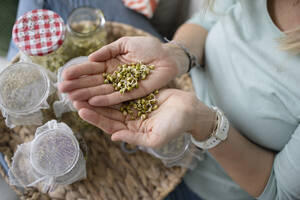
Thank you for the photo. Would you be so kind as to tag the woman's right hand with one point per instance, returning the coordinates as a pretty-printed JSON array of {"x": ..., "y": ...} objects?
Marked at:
[{"x": 84, "y": 82}]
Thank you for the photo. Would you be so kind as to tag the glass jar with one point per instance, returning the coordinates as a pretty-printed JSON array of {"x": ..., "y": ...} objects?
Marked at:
[
  {"x": 56, "y": 153},
  {"x": 54, "y": 157},
  {"x": 64, "y": 104},
  {"x": 178, "y": 152},
  {"x": 24, "y": 90},
  {"x": 40, "y": 35},
  {"x": 86, "y": 30}
]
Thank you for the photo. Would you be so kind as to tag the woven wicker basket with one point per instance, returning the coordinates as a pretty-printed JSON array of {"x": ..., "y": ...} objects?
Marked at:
[{"x": 111, "y": 173}]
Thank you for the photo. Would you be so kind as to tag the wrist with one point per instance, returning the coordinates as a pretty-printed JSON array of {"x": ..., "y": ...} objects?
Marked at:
[
  {"x": 204, "y": 122},
  {"x": 179, "y": 56}
]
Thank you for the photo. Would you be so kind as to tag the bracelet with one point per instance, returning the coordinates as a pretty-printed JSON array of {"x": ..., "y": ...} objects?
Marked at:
[{"x": 192, "y": 59}]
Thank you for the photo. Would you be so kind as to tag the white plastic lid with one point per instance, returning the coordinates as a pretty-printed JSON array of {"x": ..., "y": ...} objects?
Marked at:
[
  {"x": 54, "y": 152},
  {"x": 23, "y": 87}
]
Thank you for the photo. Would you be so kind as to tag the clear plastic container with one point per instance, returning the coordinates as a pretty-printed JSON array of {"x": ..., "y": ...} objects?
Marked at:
[
  {"x": 24, "y": 89},
  {"x": 86, "y": 30},
  {"x": 53, "y": 158},
  {"x": 178, "y": 152},
  {"x": 40, "y": 35},
  {"x": 64, "y": 104},
  {"x": 54, "y": 152}
]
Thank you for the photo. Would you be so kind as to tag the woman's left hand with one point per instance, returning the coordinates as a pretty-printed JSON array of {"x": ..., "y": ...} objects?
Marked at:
[{"x": 178, "y": 112}]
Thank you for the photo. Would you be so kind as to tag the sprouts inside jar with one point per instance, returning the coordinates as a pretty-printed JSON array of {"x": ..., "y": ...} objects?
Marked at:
[
  {"x": 174, "y": 148},
  {"x": 86, "y": 30},
  {"x": 54, "y": 152},
  {"x": 23, "y": 87}
]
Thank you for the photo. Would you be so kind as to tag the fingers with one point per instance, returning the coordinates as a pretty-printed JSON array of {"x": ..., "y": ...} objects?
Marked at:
[
  {"x": 109, "y": 99},
  {"x": 86, "y": 93},
  {"x": 110, "y": 113},
  {"x": 107, "y": 125},
  {"x": 116, "y": 97},
  {"x": 145, "y": 87},
  {"x": 87, "y": 68},
  {"x": 109, "y": 51},
  {"x": 84, "y": 82},
  {"x": 113, "y": 98}
]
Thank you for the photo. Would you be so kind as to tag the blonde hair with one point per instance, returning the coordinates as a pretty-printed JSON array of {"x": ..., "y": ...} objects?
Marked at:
[{"x": 290, "y": 42}]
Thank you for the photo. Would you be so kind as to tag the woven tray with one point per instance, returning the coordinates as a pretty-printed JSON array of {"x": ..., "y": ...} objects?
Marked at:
[{"x": 111, "y": 173}]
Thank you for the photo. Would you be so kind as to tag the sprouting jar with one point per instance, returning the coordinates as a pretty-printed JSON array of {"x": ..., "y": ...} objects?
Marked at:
[
  {"x": 40, "y": 35},
  {"x": 24, "y": 89},
  {"x": 86, "y": 30}
]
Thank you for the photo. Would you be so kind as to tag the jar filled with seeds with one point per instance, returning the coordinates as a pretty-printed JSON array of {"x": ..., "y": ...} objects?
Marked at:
[
  {"x": 53, "y": 158},
  {"x": 86, "y": 30},
  {"x": 40, "y": 37},
  {"x": 64, "y": 104},
  {"x": 178, "y": 152},
  {"x": 24, "y": 89}
]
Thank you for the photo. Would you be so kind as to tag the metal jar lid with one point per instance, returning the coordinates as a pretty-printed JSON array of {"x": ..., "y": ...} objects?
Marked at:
[{"x": 39, "y": 32}]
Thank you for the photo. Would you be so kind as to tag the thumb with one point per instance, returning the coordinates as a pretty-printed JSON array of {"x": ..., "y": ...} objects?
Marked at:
[{"x": 109, "y": 51}]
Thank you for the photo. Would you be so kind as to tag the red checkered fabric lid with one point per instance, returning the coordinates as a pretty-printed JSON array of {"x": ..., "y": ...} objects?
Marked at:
[{"x": 39, "y": 32}]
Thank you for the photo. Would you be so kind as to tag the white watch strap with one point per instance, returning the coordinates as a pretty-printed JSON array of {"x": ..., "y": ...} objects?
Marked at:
[
  {"x": 207, "y": 144},
  {"x": 220, "y": 134}
]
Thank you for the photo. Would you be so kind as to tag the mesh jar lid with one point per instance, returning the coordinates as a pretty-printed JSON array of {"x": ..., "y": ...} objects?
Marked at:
[
  {"x": 77, "y": 172},
  {"x": 39, "y": 32},
  {"x": 174, "y": 149},
  {"x": 23, "y": 88},
  {"x": 54, "y": 152}
]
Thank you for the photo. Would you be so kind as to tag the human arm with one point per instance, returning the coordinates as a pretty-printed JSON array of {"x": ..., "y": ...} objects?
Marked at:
[
  {"x": 193, "y": 37},
  {"x": 262, "y": 173},
  {"x": 169, "y": 60},
  {"x": 85, "y": 81},
  {"x": 248, "y": 164}
]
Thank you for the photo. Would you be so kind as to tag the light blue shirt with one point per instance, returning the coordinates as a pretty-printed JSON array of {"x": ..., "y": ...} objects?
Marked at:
[{"x": 258, "y": 87}]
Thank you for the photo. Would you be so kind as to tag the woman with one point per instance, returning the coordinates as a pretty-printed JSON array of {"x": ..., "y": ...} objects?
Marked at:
[{"x": 246, "y": 75}]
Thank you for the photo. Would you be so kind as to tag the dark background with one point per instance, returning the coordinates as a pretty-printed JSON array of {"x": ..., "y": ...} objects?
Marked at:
[{"x": 8, "y": 10}]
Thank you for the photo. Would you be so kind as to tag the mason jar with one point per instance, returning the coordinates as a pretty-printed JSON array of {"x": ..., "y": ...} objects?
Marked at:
[
  {"x": 56, "y": 153},
  {"x": 24, "y": 90},
  {"x": 64, "y": 104},
  {"x": 180, "y": 151},
  {"x": 40, "y": 36},
  {"x": 54, "y": 157},
  {"x": 86, "y": 30}
]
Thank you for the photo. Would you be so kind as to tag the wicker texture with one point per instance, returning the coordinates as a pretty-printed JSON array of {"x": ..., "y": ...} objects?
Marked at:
[{"x": 111, "y": 173}]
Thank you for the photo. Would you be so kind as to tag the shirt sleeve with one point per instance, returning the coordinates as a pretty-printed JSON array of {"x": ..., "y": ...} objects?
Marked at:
[
  {"x": 284, "y": 182},
  {"x": 208, "y": 17}
]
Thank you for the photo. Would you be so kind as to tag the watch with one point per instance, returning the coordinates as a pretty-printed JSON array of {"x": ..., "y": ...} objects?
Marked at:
[{"x": 219, "y": 134}]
